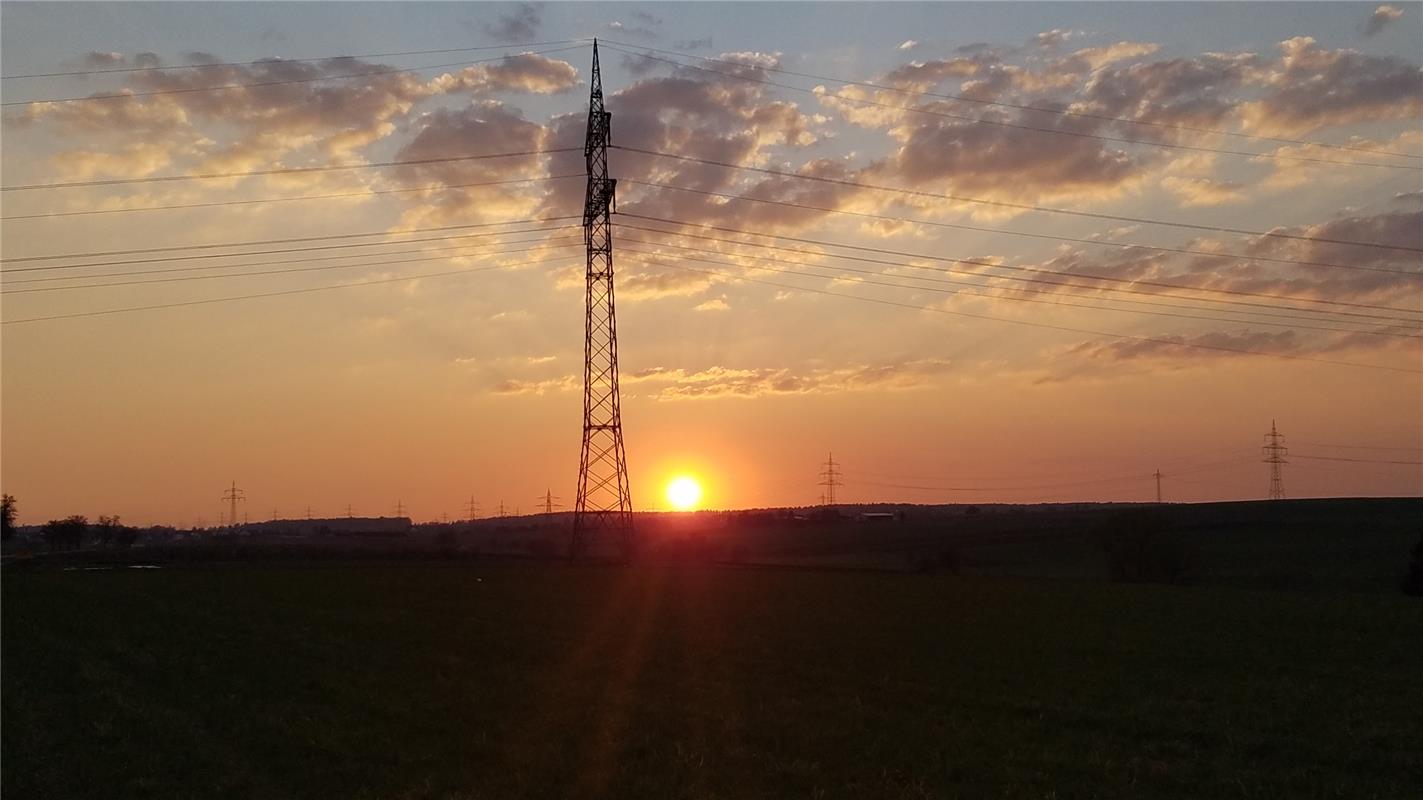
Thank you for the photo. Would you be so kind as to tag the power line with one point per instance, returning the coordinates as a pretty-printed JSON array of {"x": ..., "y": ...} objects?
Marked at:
[
  {"x": 1001, "y": 104},
  {"x": 985, "y": 264},
  {"x": 290, "y": 81},
  {"x": 464, "y": 252},
  {"x": 282, "y": 170},
  {"x": 308, "y": 290},
  {"x": 254, "y": 201},
  {"x": 1362, "y": 447},
  {"x": 1132, "y": 477},
  {"x": 1051, "y": 237},
  {"x": 1019, "y": 126},
  {"x": 1046, "y": 326},
  {"x": 1019, "y": 206},
  {"x": 1359, "y": 460},
  {"x": 285, "y": 250},
  {"x": 279, "y": 60},
  {"x": 328, "y": 238},
  {"x": 170, "y": 270},
  {"x": 1059, "y": 302}
]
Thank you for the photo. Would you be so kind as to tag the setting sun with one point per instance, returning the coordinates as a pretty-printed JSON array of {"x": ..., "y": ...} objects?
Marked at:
[{"x": 684, "y": 493}]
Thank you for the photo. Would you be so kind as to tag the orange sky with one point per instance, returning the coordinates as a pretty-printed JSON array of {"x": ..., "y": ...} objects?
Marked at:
[{"x": 426, "y": 391}]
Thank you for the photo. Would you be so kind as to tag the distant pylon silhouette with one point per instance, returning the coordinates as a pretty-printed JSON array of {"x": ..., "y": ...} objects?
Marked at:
[
  {"x": 232, "y": 495},
  {"x": 604, "y": 501},
  {"x": 830, "y": 478},
  {"x": 1157, "y": 476},
  {"x": 1274, "y": 452},
  {"x": 549, "y": 501}
]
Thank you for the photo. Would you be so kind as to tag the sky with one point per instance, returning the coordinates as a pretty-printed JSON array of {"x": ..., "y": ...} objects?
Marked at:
[{"x": 953, "y": 357}]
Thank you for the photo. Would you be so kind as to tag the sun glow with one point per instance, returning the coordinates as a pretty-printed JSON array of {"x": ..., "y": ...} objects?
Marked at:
[{"x": 684, "y": 493}]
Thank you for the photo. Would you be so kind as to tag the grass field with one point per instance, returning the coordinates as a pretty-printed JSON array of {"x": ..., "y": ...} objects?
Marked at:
[{"x": 467, "y": 680}]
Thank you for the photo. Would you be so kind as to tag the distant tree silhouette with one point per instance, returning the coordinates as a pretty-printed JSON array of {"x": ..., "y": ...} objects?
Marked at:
[
  {"x": 106, "y": 530},
  {"x": 67, "y": 533},
  {"x": 1413, "y": 582},
  {"x": 7, "y": 516}
]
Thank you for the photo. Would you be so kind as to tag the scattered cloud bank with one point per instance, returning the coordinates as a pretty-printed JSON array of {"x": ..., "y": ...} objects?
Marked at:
[
  {"x": 719, "y": 382},
  {"x": 970, "y": 123}
]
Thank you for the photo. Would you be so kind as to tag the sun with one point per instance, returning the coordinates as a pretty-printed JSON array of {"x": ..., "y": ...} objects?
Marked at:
[{"x": 684, "y": 493}]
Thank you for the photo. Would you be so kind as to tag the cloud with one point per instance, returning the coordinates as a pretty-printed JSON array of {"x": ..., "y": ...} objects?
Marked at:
[
  {"x": 1050, "y": 39},
  {"x": 1312, "y": 88},
  {"x": 282, "y": 108},
  {"x": 1145, "y": 269},
  {"x": 1180, "y": 91},
  {"x": 695, "y": 114},
  {"x": 714, "y": 304},
  {"x": 515, "y": 386},
  {"x": 644, "y": 30},
  {"x": 95, "y": 59},
  {"x": 1092, "y": 59},
  {"x": 1185, "y": 351},
  {"x": 1171, "y": 351},
  {"x": 526, "y": 72},
  {"x": 443, "y": 133},
  {"x": 907, "y": 44},
  {"x": 645, "y": 281},
  {"x": 925, "y": 75},
  {"x": 746, "y": 383},
  {"x": 994, "y": 162},
  {"x": 1195, "y": 192},
  {"x": 1382, "y": 17},
  {"x": 749, "y": 383},
  {"x": 520, "y": 25}
]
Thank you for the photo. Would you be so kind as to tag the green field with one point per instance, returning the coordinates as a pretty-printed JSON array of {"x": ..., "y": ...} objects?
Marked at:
[{"x": 490, "y": 680}]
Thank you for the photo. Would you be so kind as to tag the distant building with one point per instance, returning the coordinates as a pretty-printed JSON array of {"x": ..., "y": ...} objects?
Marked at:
[{"x": 876, "y": 516}]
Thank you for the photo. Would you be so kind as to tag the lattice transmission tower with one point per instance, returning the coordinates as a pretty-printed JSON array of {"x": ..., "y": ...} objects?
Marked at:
[
  {"x": 233, "y": 495},
  {"x": 549, "y": 501},
  {"x": 604, "y": 504},
  {"x": 1274, "y": 452},
  {"x": 830, "y": 478}
]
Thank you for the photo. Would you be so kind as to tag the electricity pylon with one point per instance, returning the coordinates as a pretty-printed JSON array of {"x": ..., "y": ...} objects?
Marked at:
[
  {"x": 830, "y": 478},
  {"x": 1274, "y": 452},
  {"x": 232, "y": 495},
  {"x": 399, "y": 509},
  {"x": 1157, "y": 476},
  {"x": 549, "y": 501},
  {"x": 604, "y": 502},
  {"x": 473, "y": 508}
]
